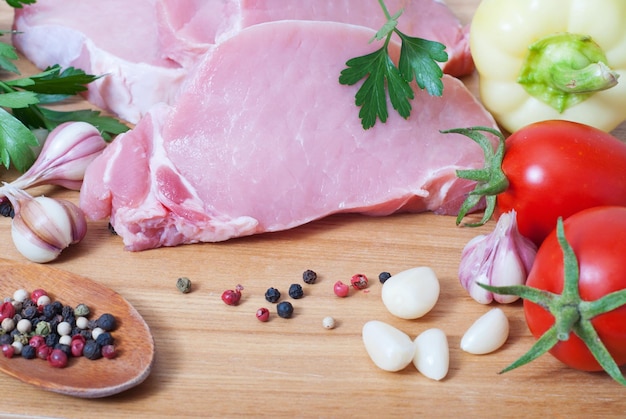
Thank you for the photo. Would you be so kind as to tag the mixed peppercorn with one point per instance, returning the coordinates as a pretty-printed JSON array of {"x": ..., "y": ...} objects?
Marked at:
[
  {"x": 34, "y": 326},
  {"x": 285, "y": 309}
]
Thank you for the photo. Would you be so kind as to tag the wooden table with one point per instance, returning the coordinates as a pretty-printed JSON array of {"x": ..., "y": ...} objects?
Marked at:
[{"x": 216, "y": 360}]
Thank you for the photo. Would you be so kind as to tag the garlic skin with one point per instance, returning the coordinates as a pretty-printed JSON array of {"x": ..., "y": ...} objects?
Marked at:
[
  {"x": 43, "y": 227},
  {"x": 66, "y": 153},
  {"x": 503, "y": 257}
]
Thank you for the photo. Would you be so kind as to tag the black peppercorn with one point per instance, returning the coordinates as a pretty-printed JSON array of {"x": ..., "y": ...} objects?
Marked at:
[
  {"x": 104, "y": 339},
  {"x": 6, "y": 339},
  {"x": 284, "y": 309},
  {"x": 272, "y": 295},
  {"x": 67, "y": 311},
  {"x": 52, "y": 339},
  {"x": 295, "y": 291},
  {"x": 48, "y": 312},
  {"x": 383, "y": 276},
  {"x": 29, "y": 352},
  {"x": 92, "y": 350},
  {"x": 6, "y": 209},
  {"x": 29, "y": 312},
  {"x": 106, "y": 322},
  {"x": 309, "y": 276}
]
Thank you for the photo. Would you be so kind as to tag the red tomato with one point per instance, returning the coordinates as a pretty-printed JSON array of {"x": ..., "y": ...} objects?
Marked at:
[
  {"x": 558, "y": 168},
  {"x": 598, "y": 238}
]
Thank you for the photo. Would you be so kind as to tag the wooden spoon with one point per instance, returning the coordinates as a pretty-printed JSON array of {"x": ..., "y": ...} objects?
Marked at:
[{"x": 82, "y": 377}]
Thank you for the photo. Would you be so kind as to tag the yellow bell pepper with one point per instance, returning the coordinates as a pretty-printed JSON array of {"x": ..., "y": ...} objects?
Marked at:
[{"x": 551, "y": 59}]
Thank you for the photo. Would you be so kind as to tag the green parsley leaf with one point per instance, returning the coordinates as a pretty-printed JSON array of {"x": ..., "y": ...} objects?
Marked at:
[
  {"x": 19, "y": 3},
  {"x": 55, "y": 81},
  {"x": 7, "y": 56},
  {"x": 108, "y": 126},
  {"x": 18, "y": 99},
  {"x": 418, "y": 61},
  {"x": 378, "y": 71},
  {"x": 418, "y": 58},
  {"x": 16, "y": 141}
]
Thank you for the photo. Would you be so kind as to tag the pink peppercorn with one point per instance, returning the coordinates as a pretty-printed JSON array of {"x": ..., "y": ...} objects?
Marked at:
[
  {"x": 7, "y": 310},
  {"x": 34, "y": 296},
  {"x": 36, "y": 341},
  {"x": 232, "y": 297},
  {"x": 43, "y": 352},
  {"x": 341, "y": 289},
  {"x": 359, "y": 281},
  {"x": 263, "y": 314},
  {"x": 77, "y": 345},
  {"x": 57, "y": 358},
  {"x": 109, "y": 351},
  {"x": 8, "y": 350}
]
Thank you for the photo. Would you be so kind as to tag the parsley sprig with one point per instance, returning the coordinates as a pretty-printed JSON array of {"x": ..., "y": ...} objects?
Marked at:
[
  {"x": 21, "y": 111},
  {"x": 418, "y": 60},
  {"x": 19, "y": 3}
]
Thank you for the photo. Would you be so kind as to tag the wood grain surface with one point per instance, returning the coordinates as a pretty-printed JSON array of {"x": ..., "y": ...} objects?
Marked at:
[{"x": 214, "y": 360}]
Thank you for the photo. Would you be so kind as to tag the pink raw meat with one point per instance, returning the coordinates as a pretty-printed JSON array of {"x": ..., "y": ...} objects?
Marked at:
[
  {"x": 264, "y": 138},
  {"x": 146, "y": 48}
]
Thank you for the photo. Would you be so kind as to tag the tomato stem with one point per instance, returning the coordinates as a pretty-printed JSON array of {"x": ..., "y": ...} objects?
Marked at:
[
  {"x": 490, "y": 179},
  {"x": 570, "y": 312}
]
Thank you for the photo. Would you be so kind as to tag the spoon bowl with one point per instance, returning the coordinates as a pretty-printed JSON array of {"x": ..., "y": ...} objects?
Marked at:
[{"x": 82, "y": 377}]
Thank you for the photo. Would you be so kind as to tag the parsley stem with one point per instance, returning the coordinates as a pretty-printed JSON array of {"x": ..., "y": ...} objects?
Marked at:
[{"x": 384, "y": 7}]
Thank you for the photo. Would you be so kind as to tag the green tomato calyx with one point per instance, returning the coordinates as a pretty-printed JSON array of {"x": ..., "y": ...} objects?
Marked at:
[
  {"x": 571, "y": 313},
  {"x": 565, "y": 69},
  {"x": 490, "y": 179}
]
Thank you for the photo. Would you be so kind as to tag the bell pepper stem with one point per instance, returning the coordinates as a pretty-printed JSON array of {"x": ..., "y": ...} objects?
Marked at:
[
  {"x": 565, "y": 69},
  {"x": 593, "y": 78}
]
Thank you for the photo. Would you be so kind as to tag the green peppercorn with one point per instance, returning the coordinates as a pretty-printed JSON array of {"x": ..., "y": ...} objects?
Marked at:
[
  {"x": 42, "y": 328},
  {"x": 272, "y": 295},
  {"x": 309, "y": 276},
  {"x": 284, "y": 309},
  {"x": 81, "y": 310},
  {"x": 184, "y": 285}
]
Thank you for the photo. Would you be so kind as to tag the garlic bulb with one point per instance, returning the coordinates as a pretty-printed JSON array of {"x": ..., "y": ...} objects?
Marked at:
[
  {"x": 43, "y": 226},
  {"x": 503, "y": 257},
  {"x": 65, "y": 155}
]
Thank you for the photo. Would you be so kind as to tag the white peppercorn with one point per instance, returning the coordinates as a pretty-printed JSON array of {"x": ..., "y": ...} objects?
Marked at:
[
  {"x": 64, "y": 328},
  {"x": 328, "y": 322},
  {"x": 24, "y": 326}
]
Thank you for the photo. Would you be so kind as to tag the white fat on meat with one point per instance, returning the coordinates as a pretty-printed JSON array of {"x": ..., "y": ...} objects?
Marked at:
[
  {"x": 263, "y": 138},
  {"x": 147, "y": 48}
]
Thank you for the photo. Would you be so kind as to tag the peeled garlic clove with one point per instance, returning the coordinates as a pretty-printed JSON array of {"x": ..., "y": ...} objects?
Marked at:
[
  {"x": 503, "y": 257},
  {"x": 487, "y": 334},
  {"x": 432, "y": 354},
  {"x": 389, "y": 348},
  {"x": 412, "y": 293}
]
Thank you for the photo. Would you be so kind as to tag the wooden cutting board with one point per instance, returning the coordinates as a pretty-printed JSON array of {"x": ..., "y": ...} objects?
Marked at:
[{"x": 220, "y": 361}]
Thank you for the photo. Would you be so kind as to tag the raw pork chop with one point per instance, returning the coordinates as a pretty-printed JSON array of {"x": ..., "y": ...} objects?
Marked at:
[
  {"x": 264, "y": 138},
  {"x": 147, "y": 47}
]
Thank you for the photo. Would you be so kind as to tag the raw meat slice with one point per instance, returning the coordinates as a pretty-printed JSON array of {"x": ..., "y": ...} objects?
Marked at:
[
  {"x": 146, "y": 48},
  {"x": 264, "y": 138}
]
